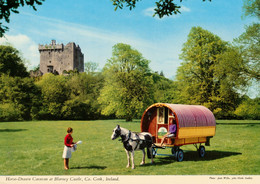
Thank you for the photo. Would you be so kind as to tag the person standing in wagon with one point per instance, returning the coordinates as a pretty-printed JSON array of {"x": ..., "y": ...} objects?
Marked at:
[{"x": 68, "y": 148}]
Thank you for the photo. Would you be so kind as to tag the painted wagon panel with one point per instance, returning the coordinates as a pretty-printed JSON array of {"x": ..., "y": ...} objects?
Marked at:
[{"x": 194, "y": 122}]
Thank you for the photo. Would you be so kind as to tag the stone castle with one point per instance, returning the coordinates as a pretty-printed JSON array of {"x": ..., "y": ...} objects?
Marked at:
[{"x": 59, "y": 59}]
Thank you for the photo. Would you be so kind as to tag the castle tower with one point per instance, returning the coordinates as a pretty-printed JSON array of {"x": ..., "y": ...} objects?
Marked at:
[{"x": 57, "y": 58}]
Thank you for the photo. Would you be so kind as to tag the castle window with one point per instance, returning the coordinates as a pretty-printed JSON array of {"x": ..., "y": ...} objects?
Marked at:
[{"x": 49, "y": 61}]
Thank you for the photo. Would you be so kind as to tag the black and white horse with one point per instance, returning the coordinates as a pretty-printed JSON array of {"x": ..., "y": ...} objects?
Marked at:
[{"x": 134, "y": 141}]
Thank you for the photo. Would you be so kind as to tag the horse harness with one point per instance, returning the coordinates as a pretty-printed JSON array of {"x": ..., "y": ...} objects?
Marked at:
[{"x": 125, "y": 140}]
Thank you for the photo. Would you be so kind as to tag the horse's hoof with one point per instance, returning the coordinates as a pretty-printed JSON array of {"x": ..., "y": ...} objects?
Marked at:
[
  {"x": 142, "y": 163},
  {"x": 127, "y": 166},
  {"x": 133, "y": 168}
]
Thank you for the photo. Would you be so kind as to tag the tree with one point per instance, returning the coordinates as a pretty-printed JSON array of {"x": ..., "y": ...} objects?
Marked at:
[
  {"x": 84, "y": 90},
  {"x": 55, "y": 93},
  {"x": 19, "y": 98},
  {"x": 249, "y": 44},
  {"x": 8, "y": 6},
  {"x": 249, "y": 41},
  {"x": 127, "y": 87},
  {"x": 251, "y": 8},
  {"x": 90, "y": 67},
  {"x": 11, "y": 62},
  {"x": 249, "y": 109},
  {"x": 163, "y": 7},
  {"x": 210, "y": 73},
  {"x": 164, "y": 89}
]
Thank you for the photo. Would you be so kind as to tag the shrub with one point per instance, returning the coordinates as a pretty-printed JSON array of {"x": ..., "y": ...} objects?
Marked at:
[{"x": 9, "y": 112}]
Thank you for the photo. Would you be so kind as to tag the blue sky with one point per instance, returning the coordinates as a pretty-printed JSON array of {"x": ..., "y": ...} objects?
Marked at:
[{"x": 96, "y": 27}]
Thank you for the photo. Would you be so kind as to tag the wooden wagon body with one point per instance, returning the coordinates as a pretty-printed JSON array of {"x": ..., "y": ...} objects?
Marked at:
[{"x": 195, "y": 123}]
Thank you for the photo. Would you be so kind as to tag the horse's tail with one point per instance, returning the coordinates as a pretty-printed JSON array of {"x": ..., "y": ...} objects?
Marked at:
[
  {"x": 149, "y": 146},
  {"x": 151, "y": 153}
]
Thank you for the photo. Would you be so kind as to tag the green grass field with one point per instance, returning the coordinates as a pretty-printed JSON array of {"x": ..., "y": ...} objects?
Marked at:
[{"x": 35, "y": 148}]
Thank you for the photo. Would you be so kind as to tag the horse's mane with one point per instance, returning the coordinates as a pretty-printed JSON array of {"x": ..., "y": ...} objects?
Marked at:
[{"x": 124, "y": 130}]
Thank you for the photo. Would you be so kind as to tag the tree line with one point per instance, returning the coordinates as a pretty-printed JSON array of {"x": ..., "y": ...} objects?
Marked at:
[{"x": 214, "y": 73}]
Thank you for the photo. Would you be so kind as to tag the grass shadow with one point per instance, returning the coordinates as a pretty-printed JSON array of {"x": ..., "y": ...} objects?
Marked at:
[
  {"x": 12, "y": 130},
  {"x": 193, "y": 156},
  {"x": 158, "y": 160},
  {"x": 90, "y": 167},
  {"x": 210, "y": 155}
]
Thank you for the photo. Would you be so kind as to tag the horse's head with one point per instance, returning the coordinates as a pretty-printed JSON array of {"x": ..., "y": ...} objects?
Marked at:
[{"x": 116, "y": 132}]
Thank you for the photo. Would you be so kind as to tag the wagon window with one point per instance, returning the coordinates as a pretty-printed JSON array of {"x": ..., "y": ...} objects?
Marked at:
[{"x": 160, "y": 115}]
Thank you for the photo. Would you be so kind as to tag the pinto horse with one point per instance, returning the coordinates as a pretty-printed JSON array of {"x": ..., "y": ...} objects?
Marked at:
[{"x": 134, "y": 141}]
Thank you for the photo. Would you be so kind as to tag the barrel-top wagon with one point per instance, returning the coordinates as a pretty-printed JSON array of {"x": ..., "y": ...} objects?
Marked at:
[{"x": 195, "y": 124}]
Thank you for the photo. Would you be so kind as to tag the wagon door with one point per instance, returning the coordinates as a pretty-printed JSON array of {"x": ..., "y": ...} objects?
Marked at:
[
  {"x": 165, "y": 117},
  {"x": 162, "y": 123}
]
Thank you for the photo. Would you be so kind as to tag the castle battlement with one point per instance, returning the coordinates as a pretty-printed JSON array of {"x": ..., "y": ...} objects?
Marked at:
[{"x": 52, "y": 46}]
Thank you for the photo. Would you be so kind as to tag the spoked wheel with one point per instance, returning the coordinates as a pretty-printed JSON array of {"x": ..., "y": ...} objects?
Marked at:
[
  {"x": 174, "y": 150},
  {"x": 201, "y": 151},
  {"x": 180, "y": 155}
]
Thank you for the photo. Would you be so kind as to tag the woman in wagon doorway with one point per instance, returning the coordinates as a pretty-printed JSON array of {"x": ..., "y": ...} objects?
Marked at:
[
  {"x": 171, "y": 133},
  {"x": 68, "y": 148}
]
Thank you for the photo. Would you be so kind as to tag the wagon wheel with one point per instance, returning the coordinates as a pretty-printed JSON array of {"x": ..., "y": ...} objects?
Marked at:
[
  {"x": 174, "y": 150},
  {"x": 180, "y": 155},
  {"x": 201, "y": 151}
]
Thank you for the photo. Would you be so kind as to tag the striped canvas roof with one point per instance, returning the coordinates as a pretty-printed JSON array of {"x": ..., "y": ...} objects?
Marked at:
[{"x": 191, "y": 115}]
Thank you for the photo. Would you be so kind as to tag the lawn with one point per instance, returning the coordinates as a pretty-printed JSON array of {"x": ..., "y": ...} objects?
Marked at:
[{"x": 35, "y": 148}]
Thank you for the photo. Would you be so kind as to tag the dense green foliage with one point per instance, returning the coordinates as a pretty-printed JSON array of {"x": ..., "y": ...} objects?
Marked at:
[
  {"x": 249, "y": 41},
  {"x": 35, "y": 148},
  {"x": 248, "y": 109},
  {"x": 19, "y": 98},
  {"x": 11, "y": 63},
  {"x": 70, "y": 97},
  {"x": 127, "y": 88},
  {"x": 164, "y": 89},
  {"x": 210, "y": 73}
]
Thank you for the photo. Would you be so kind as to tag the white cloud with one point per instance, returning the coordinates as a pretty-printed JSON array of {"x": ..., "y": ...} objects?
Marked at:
[
  {"x": 184, "y": 9},
  {"x": 149, "y": 12}
]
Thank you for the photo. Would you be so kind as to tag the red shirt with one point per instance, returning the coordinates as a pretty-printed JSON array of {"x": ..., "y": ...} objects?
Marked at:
[{"x": 68, "y": 140}]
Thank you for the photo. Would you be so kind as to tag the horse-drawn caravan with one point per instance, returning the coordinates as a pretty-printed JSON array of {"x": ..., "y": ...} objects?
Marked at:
[{"x": 195, "y": 124}]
